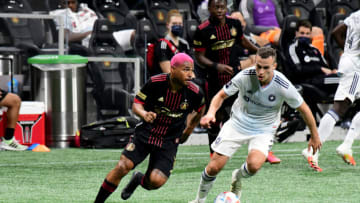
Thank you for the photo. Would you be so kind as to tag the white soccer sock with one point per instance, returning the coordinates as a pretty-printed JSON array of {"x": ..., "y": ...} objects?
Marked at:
[
  {"x": 353, "y": 131},
  {"x": 327, "y": 124},
  {"x": 206, "y": 183},
  {"x": 244, "y": 171}
]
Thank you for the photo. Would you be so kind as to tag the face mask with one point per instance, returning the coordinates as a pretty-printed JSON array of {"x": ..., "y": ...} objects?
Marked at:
[
  {"x": 177, "y": 30},
  {"x": 304, "y": 40}
]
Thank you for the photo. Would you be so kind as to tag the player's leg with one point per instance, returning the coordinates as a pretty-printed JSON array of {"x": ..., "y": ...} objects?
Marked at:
[
  {"x": 259, "y": 147},
  {"x": 135, "y": 152},
  {"x": 113, "y": 178},
  {"x": 345, "y": 95},
  {"x": 224, "y": 146},
  {"x": 344, "y": 150},
  {"x": 12, "y": 102},
  {"x": 161, "y": 163},
  {"x": 208, "y": 176}
]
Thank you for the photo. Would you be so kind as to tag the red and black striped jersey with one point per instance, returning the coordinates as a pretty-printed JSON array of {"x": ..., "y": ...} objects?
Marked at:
[
  {"x": 218, "y": 43},
  {"x": 171, "y": 108}
]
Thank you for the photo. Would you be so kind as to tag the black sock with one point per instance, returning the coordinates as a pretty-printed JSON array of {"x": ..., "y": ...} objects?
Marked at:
[
  {"x": 105, "y": 191},
  {"x": 9, "y": 133}
]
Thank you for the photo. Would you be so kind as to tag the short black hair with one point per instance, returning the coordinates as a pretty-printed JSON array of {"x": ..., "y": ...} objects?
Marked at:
[
  {"x": 209, "y": 2},
  {"x": 265, "y": 52},
  {"x": 303, "y": 23}
]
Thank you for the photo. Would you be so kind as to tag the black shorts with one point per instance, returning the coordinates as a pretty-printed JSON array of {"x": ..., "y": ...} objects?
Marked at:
[
  {"x": 3, "y": 94},
  {"x": 160, "y": 158}
]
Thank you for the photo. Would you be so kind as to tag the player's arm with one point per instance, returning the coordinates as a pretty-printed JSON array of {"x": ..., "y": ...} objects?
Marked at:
[
  {"x": 203, "y": 60},
  {"x": 76, "y": 37},
  {"x": 309, "y": 119},
  {"x": 140, "y": 111},
  {"x": 191, "y": 122},
  {"x": 339, "y": 34},
  {"x": 215, "y": 104},
  {"x": 248, "y": 45}
]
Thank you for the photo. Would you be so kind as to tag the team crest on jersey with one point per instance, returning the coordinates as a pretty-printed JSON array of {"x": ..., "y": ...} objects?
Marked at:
[
  {"x": 130, "y": 147},
  {"x": 233, "y": 31},
  {"x": 212, "y": 37},
  {"x": 272, "y": 97},
  {"x": 184, "y": 105}
]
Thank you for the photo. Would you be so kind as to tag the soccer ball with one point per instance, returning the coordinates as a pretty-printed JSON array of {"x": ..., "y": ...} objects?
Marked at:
[{"x": 227, "y": 197}]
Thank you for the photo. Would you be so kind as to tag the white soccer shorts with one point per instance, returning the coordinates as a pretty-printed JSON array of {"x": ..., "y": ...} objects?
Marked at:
[
  {"x": 349, "y": 84},
  {"x": 230, "y": 140}
]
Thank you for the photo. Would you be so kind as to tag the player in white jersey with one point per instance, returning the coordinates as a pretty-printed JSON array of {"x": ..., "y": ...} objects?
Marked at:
[
  {"x": 347, "y": 92},
  {"x": 255, "y": 117}
]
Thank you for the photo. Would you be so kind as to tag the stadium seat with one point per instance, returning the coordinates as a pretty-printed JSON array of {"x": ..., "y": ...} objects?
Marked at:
[
  {"x": 345, "y": 7},
  {"x": 304, "y": 10},
  {"x": 286, "y": 38},
  {"x": 105, "y": 8},
  {"x": 190, "y": 28},
  {"x": 112, "y": 81},
  {"x": 156, "y": 11},
  {"x": 27, "y": 36},
  {"x": 334, "y": 50},
  {"x": 193, "y": 8}
]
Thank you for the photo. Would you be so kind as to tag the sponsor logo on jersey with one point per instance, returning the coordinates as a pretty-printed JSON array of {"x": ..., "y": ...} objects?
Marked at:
[
  {"x": 222, "y": 44},
  {"x": 228, "y": 84}
]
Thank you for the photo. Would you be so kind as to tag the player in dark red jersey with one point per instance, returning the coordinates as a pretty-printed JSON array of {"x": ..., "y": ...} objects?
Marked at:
[
  {"x": 164, "y": 104},
  {"x": 215, "y": 42}
]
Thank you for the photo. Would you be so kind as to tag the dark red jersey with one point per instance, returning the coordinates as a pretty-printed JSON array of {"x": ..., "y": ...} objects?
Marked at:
[{"x": 171, "y": 108}]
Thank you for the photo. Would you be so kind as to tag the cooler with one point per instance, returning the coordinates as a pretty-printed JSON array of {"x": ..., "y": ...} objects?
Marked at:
[{"x": 30, "y": 128}]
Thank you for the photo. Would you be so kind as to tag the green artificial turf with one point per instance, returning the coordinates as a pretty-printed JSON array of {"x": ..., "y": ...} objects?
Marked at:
[{"x": 75, "y": 175}]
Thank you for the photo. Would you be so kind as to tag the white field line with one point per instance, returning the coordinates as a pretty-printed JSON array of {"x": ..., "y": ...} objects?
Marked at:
[{"x": 206, "y": 155}]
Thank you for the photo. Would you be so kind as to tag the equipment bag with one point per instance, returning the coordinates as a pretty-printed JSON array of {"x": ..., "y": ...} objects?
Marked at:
[{"x": 110, "y": 133}]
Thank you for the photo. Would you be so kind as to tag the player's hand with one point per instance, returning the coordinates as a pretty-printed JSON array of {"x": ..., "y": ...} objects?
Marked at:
[
  {"x": 149, "y": 116},
  {"x": 315, "y": 143},
  {"x": 326, "y": 71},
  {"x": 222, "y": 68},
  {"x": 207, "y": 120}
]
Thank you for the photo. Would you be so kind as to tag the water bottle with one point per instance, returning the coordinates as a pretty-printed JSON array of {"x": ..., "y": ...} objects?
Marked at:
[{"x": 15, "y": 86}]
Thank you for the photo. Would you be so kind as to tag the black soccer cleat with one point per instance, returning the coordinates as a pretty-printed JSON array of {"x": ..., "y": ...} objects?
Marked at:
[{"x": 131, "y": 186}]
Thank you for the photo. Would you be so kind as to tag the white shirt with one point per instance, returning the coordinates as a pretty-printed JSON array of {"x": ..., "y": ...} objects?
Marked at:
[
  {"x": 79, "y": 22},
  {"x": 352, "y": 43},
  {"x": 257, "y": 109}
]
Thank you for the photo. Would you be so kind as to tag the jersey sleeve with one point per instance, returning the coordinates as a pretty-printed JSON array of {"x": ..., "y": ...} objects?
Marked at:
[
  {"x": 233, "y": 86},
  {"x": 198, "y": 41},
  {"x": 143, "y": 95},
  {"x": 293, "y": 97}
]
